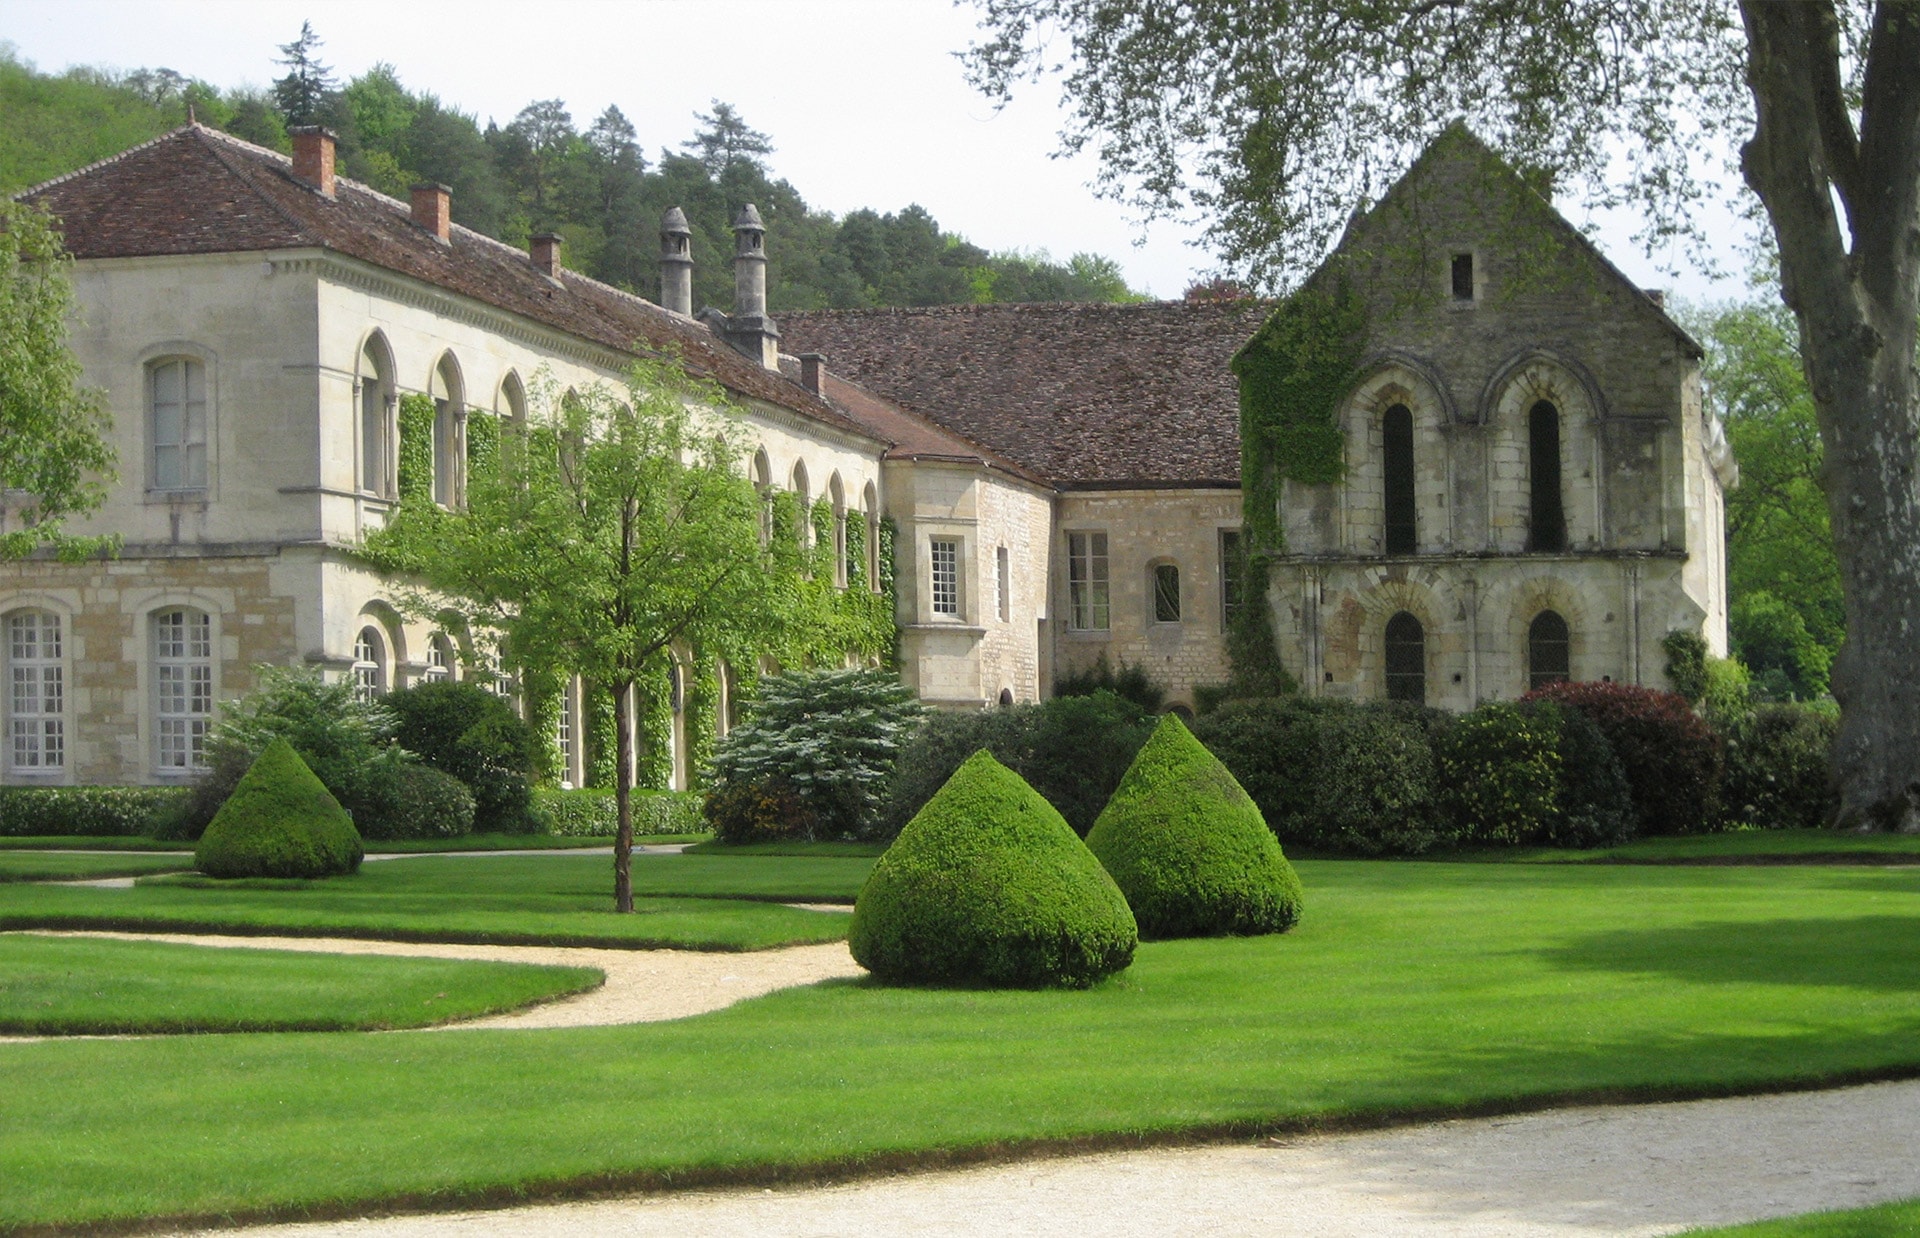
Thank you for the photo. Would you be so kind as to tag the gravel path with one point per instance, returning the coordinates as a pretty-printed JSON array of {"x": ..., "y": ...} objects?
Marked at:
[{"x": 1571, "y": 1173}]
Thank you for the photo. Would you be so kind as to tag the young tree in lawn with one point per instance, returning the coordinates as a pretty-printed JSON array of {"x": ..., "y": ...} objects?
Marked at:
[
  {"x": 53, "y": 456},
  {"x": 617, "y": 525},
  {"x": 1275, "y": 119}
]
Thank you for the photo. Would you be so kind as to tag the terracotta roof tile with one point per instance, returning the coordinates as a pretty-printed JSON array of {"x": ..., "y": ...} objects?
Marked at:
[
  {"x": 1087, "y": 396},
  {"x": 199, "y": 191}
]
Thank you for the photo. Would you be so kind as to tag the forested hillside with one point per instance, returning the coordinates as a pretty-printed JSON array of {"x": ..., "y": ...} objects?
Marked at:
[{"x": 543, "y": 171}]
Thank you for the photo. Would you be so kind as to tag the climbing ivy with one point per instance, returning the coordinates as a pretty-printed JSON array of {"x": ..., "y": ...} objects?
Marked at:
[
  {"x": 483, "y": 441},
  {"x": 416, "y": 448}
]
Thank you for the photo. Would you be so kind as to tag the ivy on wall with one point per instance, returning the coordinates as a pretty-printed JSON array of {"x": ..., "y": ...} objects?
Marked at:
[
  {"x": 483, "y": 441},
  {"x": 416, "y": 448}
]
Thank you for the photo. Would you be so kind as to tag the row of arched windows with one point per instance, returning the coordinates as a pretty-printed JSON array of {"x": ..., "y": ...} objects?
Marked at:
[
  {"x": 798, "y": 483},
  {"x": 1546, "y": 505},
  {"x": 377, "y": 398},
  {"x": 1404, "y": 644}
]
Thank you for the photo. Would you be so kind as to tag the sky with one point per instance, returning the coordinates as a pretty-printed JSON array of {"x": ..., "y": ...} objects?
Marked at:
[{"x": 865, "y": 101}]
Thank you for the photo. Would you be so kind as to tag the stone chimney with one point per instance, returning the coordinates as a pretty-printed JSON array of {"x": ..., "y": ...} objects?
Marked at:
[
  {"x": 432, "y": 210},
  {"x": 748, "y": 327},
  {"x": 813, "y": 372},
  {"x": 546, "y": 254},
  {"x": 676, "y": 263},
  {"x": 313, "y": 156}
]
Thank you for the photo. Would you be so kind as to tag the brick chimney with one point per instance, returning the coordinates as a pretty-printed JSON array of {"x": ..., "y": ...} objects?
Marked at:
[
  {"x": 313, "y": 156},
  {"x": 432, "y": 210},
  {"x": 676, "y": 263},
  {"x": 813, "y": 372},
  {"x": 546, "y": 254}
]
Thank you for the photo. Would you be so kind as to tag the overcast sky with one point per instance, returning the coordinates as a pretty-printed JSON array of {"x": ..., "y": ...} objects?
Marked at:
[{"x": 864, "y": 99}]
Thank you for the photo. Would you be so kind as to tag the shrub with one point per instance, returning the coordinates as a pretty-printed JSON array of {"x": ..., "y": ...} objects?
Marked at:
[
  {"x": 987, "y": 885},
  {"x": 824, "y": 739},
  {"x": 1332, "y": 774},
  {"x": 1671, "y": 757},
  {"x": 1533, "y": 773},
  {"x": 405, "y": 800},
  {"x": 1686, "y": 663},
  {"x": 1073, "y": 750},
  {"x": 590, "y": 812},
  {"x": 1596, "y": 801},
  {"x": 280, "y": 821},
  {"x": 464, "y": 730},
  {"x": 1131, "y": 683},
  {"x": 1779, "y": 775},
  {"x": 1188, "y": 848},
  {"x": 96, "y": 811}
]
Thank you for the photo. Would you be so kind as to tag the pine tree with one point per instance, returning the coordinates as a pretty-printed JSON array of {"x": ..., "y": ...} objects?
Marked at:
[{"x": 302, "y": 94}]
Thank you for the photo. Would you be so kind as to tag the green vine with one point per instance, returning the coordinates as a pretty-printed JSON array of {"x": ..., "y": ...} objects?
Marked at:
[
  {"x": 416, "y": 449},
  {"x": 483, "y": 441}
]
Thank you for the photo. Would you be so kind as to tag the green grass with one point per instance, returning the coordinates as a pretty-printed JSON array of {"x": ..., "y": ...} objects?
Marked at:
[
  {"x": 53, "y": 866},
  {"x": 89, "y": 842},
  {"x": 788, "y": 849},
  {"x": 1408, "y": 990},
  {"x": 559, "y": 899},
  {"x": 482, "y": 842},
  {"x": 66, "y": 986},
  {"x": 1897, "y": 1220}
]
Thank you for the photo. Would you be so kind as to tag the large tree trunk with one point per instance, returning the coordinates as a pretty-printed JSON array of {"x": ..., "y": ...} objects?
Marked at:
[
  {"x": 1857, "y": 309},
  {"x": 623, "y": 796}
]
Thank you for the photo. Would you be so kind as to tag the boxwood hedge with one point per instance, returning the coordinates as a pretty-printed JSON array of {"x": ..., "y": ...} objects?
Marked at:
[{"x": 280, "y": 821}]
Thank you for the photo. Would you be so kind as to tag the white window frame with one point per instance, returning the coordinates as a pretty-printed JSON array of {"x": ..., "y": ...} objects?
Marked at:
[
  {"x": 182, "y": 649},
  {"x": 1089, "y": 582},
  {"x": 369, "y": 663},
  {"x": 440, "y": 659},
  {"x": 36, "y": 696},
  {"x": 187, "y": 435},
  {"x": 945, "y": 601}
]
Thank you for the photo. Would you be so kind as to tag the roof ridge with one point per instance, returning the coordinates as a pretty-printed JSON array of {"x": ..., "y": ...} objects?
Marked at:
[
  {"x": 246, "y": 178},
  {"x": 97, "y": 164}
]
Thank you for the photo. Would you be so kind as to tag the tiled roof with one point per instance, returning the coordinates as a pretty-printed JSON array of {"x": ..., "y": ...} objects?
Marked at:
[
  {"x": 1087, "y": 396},
  {"x": 198, "y": 191}
]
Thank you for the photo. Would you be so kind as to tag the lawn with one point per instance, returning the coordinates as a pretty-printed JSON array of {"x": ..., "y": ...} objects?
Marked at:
[
  {"x": 89, "y": 842},
  {"x": 68, "y": 985},
  {"x": 1408, "y": 990},
  {"x": 56, "y": 866},
  {"x": 1897, "y": 1220},
  {"x": 530, "y": 900},
  {"x": 788, "y": 848},
  {"x": 483, "y": 842}
]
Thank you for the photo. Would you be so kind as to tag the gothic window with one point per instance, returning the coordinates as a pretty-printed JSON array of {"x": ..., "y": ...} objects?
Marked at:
[
  {"x": 36, "y": 694},
  {"x": 1233, "y": 568},
  {"x": 803, "y": 526},
  {"x": 946, "y": 576},
  {"x": 513, "y": 401},
  {"x": 177, "y": 423},
  {"x": 448, "y": 407},
  {"x": 1406, "y": 649},
  {"x": 1087, "y": 592},
  {"x": 1549, "y": 650},
  {"x": 182, "y": 688},
  {"x": 870, "y": 505},
  {"x": 1397, "y": 431},
  {"x": 369, "y": 664},
  {"x": 763, "y": 482},
  {"x": 842, "y": 570},
  {"x": 1547, "y": 530},
  {"x": 1166, "y": 593},
  {"x": 376, "y": 420}
]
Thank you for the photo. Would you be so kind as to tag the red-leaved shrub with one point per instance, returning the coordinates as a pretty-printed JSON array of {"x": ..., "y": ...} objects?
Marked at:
[{"x": 1672, "y": 758}]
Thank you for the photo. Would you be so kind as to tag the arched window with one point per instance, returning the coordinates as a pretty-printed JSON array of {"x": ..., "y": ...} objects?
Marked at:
[
  {"x": 377, "y": 406},
  {"x": 1406, "y": 648},
  {"x": 449, "y": 407},
  {"x": 1547, "y": 530},
  {"x": 763, "y": 482},
  {"x": 369, "y": 663},
  {"x": 723, "y": 698},
  {"x": 1549, "y": 650},
  {"x": 182, "y": 688},
  {"x": 804, "y": 500},
  {"x": 870, "y": 507},
  {"x": 680, "y": 777},
  {"x": 513, "y": 400},
  {"x": 440, "y": 659},
  {"x": 177, "y": 423},
  {"x": 36, "y": 699},
  {"x": 1166, "y": 593},
  {"x": 838, "y": 494},
  {"x": 1397, "y": 432}
]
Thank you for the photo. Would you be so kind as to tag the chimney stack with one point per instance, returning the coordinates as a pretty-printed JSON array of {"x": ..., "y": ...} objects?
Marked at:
[
  {"x": 676, "y": 263},
  {"x": 748, "y": 327},
  {"x": 432, "y": 210},
  {"x": 313, "y": 156},
  {"x": 813, "y": 372},
  {"x": 546, "y": 254}
]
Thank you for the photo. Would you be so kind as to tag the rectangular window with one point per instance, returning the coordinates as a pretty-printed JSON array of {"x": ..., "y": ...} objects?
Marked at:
[
  {"x": 1166, "y": 593},
  {"x": 946, "y": 576},
  {"x": 183, "y": 688},
  {"x": 1463, "y": 277},
  {"x": 1003, "y": 576},
  {"x": 1233, "y": 577},
  {"x": 178, "y": 425},
  {"x": 1087, "y": 592},
  {"x": 563, "y": 735},
  {"x": 36, "y": 695}
]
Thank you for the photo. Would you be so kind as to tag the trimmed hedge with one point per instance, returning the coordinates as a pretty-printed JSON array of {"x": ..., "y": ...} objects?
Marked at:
[
  {"x": 464, "y": 730},
  {"x": 1532, "y": 773},
  {"x": 280, "y": 821},
  {"x": 1189, "y": 849},
  {"x": 1672, "y": 758},
  {"x": 101, "y": 812},
  {"x": 414, "y": 801},
  {"x": 1779, "y": 775},
  {"x": 1331, "y": 774},
  {"x": 988, "y": 885},
  {"x": 591, "y": 813}
]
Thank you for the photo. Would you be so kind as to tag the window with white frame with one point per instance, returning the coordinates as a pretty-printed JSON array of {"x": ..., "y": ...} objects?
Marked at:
[
  {"x": 439, "y": 658},
  {"x": 36, "y": 694},
  {"x": 369, "y": 664},
  {"x": 182, "y": 688},
  {"x": 1088, "y": 595},
  {"x": 1003, "y": 582},
  {"x": 177, "y": 423},
  {"x": 376, "y": 417},
  {"x": 946, "y": 575},
  {"x": 563, "y": 733}
]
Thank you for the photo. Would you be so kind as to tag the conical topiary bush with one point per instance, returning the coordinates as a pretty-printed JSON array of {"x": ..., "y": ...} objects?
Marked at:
[
  {"x": 279, "y": 821},
  {"x": 1189, "y": 848},
  {"x": 989, "y": 885}
]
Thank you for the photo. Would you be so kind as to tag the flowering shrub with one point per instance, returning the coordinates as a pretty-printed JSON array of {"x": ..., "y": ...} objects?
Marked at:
[{"x": 1672, "y": 758}]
